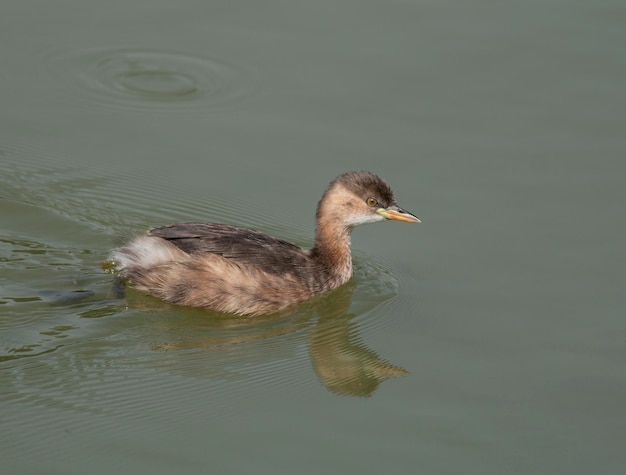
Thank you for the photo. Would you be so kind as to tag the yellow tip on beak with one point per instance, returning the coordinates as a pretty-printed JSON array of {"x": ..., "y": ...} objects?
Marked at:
[{"x": 393, "y": 212}]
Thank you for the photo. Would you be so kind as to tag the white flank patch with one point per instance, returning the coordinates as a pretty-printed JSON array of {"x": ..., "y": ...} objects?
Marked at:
[{"x": 145, "y": 251}]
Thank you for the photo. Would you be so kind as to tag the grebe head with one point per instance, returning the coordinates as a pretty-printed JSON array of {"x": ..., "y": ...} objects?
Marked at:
[{"x": 358, "y": 198}]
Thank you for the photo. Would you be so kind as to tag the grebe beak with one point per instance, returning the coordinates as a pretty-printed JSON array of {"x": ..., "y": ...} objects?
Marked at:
[{"x": 394, "y": 212}]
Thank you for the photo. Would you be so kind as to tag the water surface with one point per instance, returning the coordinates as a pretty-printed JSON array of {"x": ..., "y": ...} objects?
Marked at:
[{"x": 489, "y": 339}]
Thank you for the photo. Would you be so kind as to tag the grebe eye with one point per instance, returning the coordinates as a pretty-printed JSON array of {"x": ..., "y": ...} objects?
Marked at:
[{"x": 372, "y": 202}]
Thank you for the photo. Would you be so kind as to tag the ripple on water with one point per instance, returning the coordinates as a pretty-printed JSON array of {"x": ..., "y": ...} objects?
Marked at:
[
  {"x": 376, "y": 287},
  {"x": 139, "y": 79},
  {"x": 119, "y": 205}
]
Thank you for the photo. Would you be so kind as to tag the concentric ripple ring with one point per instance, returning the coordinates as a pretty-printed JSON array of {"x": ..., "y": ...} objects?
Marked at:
[{"x": 141, "y": 79}]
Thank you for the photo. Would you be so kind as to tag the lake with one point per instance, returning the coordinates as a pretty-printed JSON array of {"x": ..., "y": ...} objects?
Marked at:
[{"x": 490, "y": 339}]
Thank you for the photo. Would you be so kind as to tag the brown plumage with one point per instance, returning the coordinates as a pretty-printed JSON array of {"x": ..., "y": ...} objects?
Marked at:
[{"x": 245, "y": 272}]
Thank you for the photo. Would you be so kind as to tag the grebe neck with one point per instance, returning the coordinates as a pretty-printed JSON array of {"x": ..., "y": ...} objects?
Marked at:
[{"x": 332, "y": 249}]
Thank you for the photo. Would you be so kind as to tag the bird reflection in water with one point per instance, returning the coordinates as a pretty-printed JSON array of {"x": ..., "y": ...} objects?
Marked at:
[
  {"x": 340, "y": 358},
  {"x": 342, "y": 362}
]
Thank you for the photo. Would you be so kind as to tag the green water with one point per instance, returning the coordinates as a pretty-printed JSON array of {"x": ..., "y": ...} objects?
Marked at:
[{"x": 489, "y": 339}]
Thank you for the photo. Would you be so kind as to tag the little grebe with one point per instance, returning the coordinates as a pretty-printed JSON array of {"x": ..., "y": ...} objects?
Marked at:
[{"x": 241, "y": 271}]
